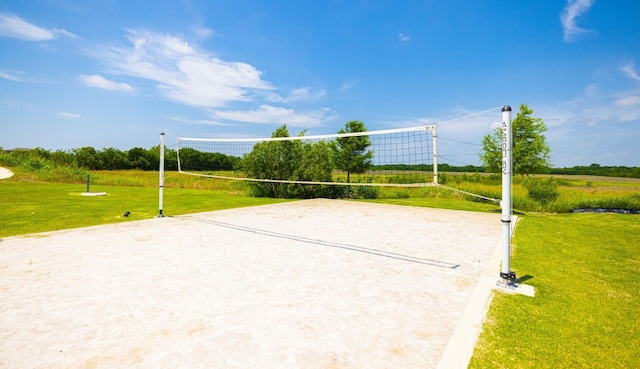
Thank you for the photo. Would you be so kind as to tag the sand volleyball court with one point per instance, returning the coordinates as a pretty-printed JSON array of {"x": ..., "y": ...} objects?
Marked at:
[{"x": 308, "y": 284}]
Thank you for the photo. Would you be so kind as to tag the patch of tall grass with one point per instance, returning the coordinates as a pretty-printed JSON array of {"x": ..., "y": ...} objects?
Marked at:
[
  {"x": 38, "y": 169},
  {"x": 578, "y": 193}
]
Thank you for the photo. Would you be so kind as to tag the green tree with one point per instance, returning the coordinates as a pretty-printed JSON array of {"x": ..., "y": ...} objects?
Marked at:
[
  {"x": 66, "y": 158},
  {"x": 139, "y": 159},
  {"x": 112, "y": 158},
  {"x": 316, "y": 166},
  {"x": 530, "y": 152},
  {"x": 288, "y": 160},
  {"x": 170, "y": 158},
  {"x": 272, "y": 160},
  {"x": 351, "y": 154},
  {"x": 87, "y": 157}
]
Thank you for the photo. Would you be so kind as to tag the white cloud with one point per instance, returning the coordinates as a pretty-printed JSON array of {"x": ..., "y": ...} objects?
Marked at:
[
  {"x": 630, "y": 72},
  {"x": 573, "y": 10},
  {"x": 590, "y": 110},
  {"x": 15, "y": 27},
  {"x": 628, "y": 101},
  {"x": 183, "y": 72},
  {"x": 404, "y": 38},
  {"x": 347, "y": 85},
  {"x": 206, "y": 122},
  {"x": 268, "y": 114},
  {"x": 591, "y": 90},
  {"x": 299, "y": 94},
  {"x": 67, "y": 115},
  {"x": 203, "y": 33},
  {"x": 584, "y": 130},
  {"x": 100, "y": 82},
  {"x": 11, "y": 76},
  {"x": 302, "y": 94},
  {"x": 65, "y": 33},
  {"x": 18, "y": 76},
  {"x": 187, "y": 74}
]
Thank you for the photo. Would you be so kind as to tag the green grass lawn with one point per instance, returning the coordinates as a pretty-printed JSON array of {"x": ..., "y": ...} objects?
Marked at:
[
  {"x": 585, "y": 267},
  {"x": 586, "y": 312},
  {"x": 32, "y": 207}
]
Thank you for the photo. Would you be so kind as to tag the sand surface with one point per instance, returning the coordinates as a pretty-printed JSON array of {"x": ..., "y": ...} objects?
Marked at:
[{"x": 309, "y": 284}]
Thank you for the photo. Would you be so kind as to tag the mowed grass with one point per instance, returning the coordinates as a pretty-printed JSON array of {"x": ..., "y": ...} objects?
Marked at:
[
  {"x": 586, "y": 312},
  {"x": 33, "y": 207}
]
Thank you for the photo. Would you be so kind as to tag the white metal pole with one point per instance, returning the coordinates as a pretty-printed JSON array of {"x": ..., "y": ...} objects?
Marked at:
[
  {"x": 435, "y": 156},
  {"x": 161, "y": 187},
  {"x": 507, "y": 165}
]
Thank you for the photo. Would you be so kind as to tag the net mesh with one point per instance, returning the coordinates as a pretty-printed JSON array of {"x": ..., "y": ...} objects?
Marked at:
[{"x": 398, "y": 157}]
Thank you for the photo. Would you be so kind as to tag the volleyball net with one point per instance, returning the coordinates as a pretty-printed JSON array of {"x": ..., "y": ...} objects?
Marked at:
[{"x": 405, "y": 157}]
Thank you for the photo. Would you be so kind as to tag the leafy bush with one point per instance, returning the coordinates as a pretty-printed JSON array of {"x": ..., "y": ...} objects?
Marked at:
[
  {"x": 34, "y": 164},
  {"x": 365, "y": 192},
  {"x": 442, "y": 178},
  {"x": 288, "y": 161},
  {"x": 543, "y": 191},
  {"x": 13, "y": 159}
]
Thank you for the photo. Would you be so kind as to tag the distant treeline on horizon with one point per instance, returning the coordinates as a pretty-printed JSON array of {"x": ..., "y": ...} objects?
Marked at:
[{"x": 149, "y": 159}]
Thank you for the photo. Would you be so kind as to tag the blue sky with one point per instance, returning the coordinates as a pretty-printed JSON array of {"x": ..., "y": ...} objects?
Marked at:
[{"x": 113, "y": 73}]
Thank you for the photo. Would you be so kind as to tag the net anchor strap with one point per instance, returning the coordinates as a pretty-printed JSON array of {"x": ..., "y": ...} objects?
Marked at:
[
  {"x": 352, "y": 184},
  {"x": 497, "y": 201}
]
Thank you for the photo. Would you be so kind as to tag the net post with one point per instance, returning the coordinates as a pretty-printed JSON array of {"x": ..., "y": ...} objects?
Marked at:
[
  {"x": 507, "y": 170},
  {"x": 161, "y": 179},
  {"x": 435, "y": 155}
]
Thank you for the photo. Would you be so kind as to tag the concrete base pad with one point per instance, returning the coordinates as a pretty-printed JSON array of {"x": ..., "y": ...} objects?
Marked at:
[
  {"x": 5, "y": 173},
  {"x": 517, "y": 288}
]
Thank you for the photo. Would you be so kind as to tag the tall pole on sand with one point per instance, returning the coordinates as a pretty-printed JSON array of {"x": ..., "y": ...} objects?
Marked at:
[
  {"x": 506, "y": 274},
  {"x": 161, "y": 187},
  {"x": 435, "y": 157}
]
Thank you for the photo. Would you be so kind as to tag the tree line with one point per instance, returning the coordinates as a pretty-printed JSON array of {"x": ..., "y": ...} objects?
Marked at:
[
  {"x": 114, "y": 159},
  {"x": 599, "y": 170},
  {"x": 92, "y": 159}
]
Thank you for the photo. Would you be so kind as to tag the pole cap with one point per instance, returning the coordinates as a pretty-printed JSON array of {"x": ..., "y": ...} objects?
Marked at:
[{"x": 506, "y": 108}]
